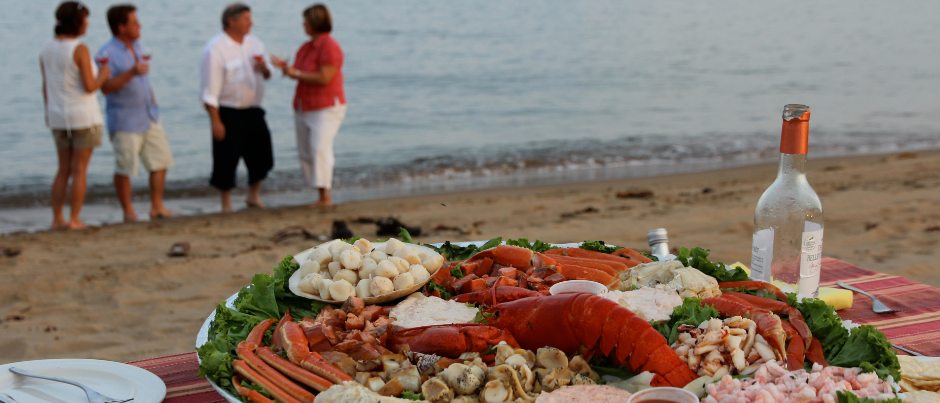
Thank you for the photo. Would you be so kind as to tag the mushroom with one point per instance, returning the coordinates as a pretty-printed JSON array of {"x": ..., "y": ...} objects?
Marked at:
[
  {"x": 436, "y": 391},
  {"x": 550, "y": 358},
  {"x": 551, "y": 379},
  {"x": 462, "y": 378},
  {"x": 579, "y": 366},
  {"x": 381, "y": 286},
  {"x": 350, "y": 259},
  {"x": 495, "y": 391}
]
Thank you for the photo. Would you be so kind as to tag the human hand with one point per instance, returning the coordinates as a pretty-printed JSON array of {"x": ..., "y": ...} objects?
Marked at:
[
  {"x": 278, "y": 62},
  {"x": 218, "y": 130},
  {"x": 141, "y": 68},
  {"x": 290, "y": 71}
]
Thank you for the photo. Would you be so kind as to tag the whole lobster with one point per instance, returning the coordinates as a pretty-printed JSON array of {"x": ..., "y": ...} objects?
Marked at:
[{"x": 585, "y": 323}]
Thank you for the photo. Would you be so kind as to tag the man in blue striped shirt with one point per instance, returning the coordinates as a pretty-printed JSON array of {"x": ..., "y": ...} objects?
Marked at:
[{"x": 132, "y": 114}]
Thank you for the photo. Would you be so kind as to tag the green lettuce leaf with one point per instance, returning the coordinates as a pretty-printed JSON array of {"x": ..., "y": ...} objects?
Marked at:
[
  {"x": 849, "y": 397},
  {"x": 597, "y": 246},
  {"x": 433, "y": 286},
  {"x": 409, "y": 395},
  {"x": 698, "y": 258},
  {"x": 537, "y": 246},
  {"x": 691, "y": 312},
  {"x": 867, "y": 345},
  {"x": 405, "y": 235},
  {"x": 824, "y": 324},
  {"x": 454, "y": 253}
]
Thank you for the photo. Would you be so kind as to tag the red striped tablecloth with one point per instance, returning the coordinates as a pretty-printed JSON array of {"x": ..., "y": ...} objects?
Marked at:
[{"x": 915, "y": 327}]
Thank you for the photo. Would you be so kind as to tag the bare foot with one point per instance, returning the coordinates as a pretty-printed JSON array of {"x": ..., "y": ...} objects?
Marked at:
[
  {"x": 58, "y": 225},
  {"x": 321, "y": 203},
  {"x": 130, "y": 217},
  {"x": 160, "y": 213},
  {"x": 254, "y": 203},
  {"x": 77, "y": 225}
]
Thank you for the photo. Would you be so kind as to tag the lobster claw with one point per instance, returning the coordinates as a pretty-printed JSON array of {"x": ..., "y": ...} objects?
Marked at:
[{"x": 449, "y": 340}]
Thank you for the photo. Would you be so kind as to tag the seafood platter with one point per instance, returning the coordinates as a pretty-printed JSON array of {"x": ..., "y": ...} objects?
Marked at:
[{"x": 396, "y": 321}]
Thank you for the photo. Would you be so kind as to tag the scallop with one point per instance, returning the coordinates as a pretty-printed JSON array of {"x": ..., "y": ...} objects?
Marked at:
[
  {"x": 404, "y": 281},
  {"x": 321, "y": 256},
  {"x": 340, "y": 290},
  {"x": 386, "y": 269},
  {"x": 309, "y": 267},
  {"x": 337, "y": 252},
  {"x": 308, "y": 284},
  {"x": 381, "y": 286},
  {"x": 392, "y": 246},
  {"x": 324, "y": 287},
  {"x": 433, "y": 262},
  {"x": 334, "y": 268},
  {"x": 350, "y": 259},
  {"x": 409, "y": 254},
  {"x": 364, "y": 245},
  {"x": 419, "y": 273},
  {"x": 401, "y": 264},
  {"x": 350, "y": 276},
  {"x": 378, "y": 255},
  {"x": 364, "y": 288},
  {"x": 368, "y": 267}
]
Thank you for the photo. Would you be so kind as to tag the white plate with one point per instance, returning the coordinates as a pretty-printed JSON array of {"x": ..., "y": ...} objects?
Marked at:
[
  {"x": 203, "y": 334},
  {"x": 113, "y": 379}
]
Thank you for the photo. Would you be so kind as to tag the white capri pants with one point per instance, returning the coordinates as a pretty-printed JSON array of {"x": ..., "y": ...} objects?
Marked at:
[{"x": 315, "y": 133}]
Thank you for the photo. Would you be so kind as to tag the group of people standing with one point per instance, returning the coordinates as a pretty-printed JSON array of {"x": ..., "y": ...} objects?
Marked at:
[{"x": 233, "y": 69}]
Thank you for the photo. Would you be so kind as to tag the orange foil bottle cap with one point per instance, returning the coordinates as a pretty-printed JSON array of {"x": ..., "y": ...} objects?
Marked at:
[{"x": 794, "y": 137}]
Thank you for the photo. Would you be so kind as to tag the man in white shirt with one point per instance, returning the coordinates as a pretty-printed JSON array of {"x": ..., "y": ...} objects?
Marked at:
[{"x": 232, "y": 74}]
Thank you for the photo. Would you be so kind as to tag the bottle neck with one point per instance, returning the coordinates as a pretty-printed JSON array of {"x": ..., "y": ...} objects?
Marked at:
[{"x": 792, "y": 166}]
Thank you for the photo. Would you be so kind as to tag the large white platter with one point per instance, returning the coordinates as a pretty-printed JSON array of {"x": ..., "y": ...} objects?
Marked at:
[{"x": 114, "y": 379}]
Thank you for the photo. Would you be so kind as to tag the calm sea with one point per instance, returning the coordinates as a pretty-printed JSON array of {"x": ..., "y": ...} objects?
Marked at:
[{"x": 455, "y": 95}]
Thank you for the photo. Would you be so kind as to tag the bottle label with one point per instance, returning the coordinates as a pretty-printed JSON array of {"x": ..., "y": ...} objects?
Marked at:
[
  {"x": 811, "y": 259},
  {"x": 762, "y": 254}
]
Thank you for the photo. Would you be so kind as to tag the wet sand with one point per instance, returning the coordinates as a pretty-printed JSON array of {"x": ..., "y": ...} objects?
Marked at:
[{"x": 113, "y": 293}]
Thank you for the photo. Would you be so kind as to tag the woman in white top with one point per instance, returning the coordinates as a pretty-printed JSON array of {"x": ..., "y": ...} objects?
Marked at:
[{"x": 69, "y": 83}]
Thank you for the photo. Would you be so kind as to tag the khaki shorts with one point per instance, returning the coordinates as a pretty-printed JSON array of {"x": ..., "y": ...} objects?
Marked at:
[
  {"x": 89, "y": 137},
  {"x": 150, "y": 148}
]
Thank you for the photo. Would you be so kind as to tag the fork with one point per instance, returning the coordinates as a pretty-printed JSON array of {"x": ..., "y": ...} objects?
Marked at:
[
  {"x": 93, "y": 396},
  {"x": 876, "y": 305}
]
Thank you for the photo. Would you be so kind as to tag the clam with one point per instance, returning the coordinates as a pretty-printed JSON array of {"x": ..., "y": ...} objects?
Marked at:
[
  {"x": 579, "y": 366},
  {"x": 495, "y": 391},
  {"x": 551, "y": 379},
  {"x": 551, "y": 358},
  {"x": 436, "y": 390},
  {"x": 462, "y": 379}
]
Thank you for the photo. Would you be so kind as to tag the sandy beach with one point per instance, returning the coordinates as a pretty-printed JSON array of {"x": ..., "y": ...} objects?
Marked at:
[{"x": 113, "y": 293}]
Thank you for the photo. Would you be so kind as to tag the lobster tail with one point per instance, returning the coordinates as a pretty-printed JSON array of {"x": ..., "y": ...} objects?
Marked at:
[{"x": 595, "y": 324}]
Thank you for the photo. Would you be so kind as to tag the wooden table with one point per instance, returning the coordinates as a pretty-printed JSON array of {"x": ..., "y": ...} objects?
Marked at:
[{"x": 915, "y": 327}]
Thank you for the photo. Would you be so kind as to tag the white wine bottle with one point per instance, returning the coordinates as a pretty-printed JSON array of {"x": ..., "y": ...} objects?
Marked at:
[{"x": 788, "y": 221}]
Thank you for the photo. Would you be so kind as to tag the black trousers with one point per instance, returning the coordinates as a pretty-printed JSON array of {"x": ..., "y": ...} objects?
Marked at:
[{"x": 246, "y": 137}]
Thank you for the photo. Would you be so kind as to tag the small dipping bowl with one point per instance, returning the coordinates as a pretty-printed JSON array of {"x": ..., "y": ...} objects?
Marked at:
[
  {"x": 662, "y": 395},
  {"x": 576, "y": 286}
]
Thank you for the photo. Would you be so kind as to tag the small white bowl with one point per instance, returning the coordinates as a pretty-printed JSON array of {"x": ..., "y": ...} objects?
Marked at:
[
  {"x": 576, "y": 286},
  {"x": 663, "y": 394}
]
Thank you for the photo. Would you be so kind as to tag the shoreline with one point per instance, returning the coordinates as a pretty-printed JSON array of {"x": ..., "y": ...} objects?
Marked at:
[{"x": 112, "y": 293}]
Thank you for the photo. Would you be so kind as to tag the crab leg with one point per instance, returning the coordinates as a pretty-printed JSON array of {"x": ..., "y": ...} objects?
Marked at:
[
  {"x": 293, "y": 370},
  {"x": 779, "y": 308},
  {"x": 279, "y": 394},
  {"x": 295, "y": 344},
  {"x": 768, "y": 324},
  {"x": 251, "y": 394},
  {"x": 272, "y": 375},
  {"x": 755, "y": 286}
]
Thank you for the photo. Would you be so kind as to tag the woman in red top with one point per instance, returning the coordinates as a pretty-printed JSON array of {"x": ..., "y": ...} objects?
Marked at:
[{"x": 319, "y": 101}]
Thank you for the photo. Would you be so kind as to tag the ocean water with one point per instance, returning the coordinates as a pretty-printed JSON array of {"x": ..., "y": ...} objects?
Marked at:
[{"x": 459, "y": 95}]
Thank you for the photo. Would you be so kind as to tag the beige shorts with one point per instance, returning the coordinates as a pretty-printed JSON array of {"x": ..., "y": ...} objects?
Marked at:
[
  {"x": 89, "y": 137},
  {"x": 150, "y": 148}
]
